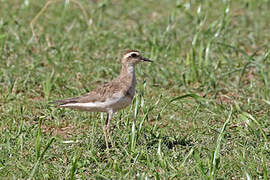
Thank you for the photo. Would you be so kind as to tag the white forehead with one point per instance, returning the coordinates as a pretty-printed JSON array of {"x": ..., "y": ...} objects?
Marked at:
[{"x": 129, "y": 54}]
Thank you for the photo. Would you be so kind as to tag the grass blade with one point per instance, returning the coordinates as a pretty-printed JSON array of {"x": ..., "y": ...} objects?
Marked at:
[
  {"x": 40, "y": 158},
  {"x": 133, "y": 137},
  {"x": 38, "y": 139},
  {"x": 216, "y": 158},
  {"x": 249, "y": 116},
  {"x": 187, "y": 156},
  {"x": 74, "y": 164}
]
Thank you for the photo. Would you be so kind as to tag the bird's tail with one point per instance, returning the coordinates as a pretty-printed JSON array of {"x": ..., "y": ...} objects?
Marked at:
[{"x": 64, "y": 101}]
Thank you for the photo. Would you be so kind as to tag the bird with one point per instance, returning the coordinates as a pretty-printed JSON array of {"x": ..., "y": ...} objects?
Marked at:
[{"x": 112, "y": 96}]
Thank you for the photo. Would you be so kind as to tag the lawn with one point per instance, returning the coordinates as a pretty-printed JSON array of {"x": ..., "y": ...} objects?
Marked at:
[{"x": 201, "y": 110}]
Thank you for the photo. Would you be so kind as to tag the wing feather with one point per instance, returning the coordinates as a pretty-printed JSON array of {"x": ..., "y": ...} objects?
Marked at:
[{"x": 99, "y": 94}]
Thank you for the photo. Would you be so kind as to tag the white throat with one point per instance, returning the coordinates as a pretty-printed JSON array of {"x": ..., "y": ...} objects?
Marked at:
[{"x": 131, "y": 69}]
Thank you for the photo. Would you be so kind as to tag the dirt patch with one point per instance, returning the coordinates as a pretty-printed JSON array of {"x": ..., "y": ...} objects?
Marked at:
[
  {"x": 64, "y": 132},
  {"x": 227, "y": 98}
]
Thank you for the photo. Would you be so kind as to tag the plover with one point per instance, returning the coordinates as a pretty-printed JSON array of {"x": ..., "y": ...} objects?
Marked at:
[{"x": 112, "y": 96}]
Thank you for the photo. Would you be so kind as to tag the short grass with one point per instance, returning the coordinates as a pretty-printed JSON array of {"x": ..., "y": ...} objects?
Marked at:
[{"x": 201, "y": 111}]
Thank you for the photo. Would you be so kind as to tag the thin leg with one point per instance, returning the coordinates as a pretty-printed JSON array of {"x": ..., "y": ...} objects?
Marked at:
[
  {"x": 110, "y": 114},
  {"x": 105, "y": 130}
]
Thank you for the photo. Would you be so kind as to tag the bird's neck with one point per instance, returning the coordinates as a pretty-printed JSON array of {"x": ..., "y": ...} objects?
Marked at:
[
  {"x": 128, "y": 74},
  {"x": 127, "y": 69}
]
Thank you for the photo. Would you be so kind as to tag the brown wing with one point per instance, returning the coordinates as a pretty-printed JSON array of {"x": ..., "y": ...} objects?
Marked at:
[
  {"x": 99, "y": 94},
  {"x": 89, "y": 97}
]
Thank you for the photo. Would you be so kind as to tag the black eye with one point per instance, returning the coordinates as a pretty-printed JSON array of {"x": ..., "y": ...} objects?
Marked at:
[{"x": 134, "y": 55}]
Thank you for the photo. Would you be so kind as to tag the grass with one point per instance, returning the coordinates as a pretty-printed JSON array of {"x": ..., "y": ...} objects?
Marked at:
[{"x": 201, "y": 111}]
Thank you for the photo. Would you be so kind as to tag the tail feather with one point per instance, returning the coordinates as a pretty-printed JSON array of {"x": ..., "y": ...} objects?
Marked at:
[{"x": 64, "y": 101}]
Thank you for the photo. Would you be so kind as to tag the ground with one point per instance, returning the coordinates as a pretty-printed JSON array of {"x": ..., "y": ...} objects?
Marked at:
[{"x": 201, "y": 110}]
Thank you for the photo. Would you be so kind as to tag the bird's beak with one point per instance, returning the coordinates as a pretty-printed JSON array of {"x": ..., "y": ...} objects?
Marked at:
[{"x": 145, "y": 59}]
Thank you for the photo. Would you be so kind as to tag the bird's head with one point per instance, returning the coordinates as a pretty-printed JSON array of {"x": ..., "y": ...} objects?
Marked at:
[{"x": 133, "y": 57}]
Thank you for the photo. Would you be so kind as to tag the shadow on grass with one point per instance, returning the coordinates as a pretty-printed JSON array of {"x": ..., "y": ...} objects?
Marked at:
[{"x": 170, "y": 141}]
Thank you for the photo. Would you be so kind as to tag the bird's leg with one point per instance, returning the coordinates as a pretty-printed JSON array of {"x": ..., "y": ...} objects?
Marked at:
[
  {"x": 105, "y": 130},
  {"x": 110, "y": 114}
]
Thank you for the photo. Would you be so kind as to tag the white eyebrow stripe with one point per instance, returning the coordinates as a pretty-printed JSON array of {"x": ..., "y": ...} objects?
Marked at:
[{"x": 128, "y": 54}]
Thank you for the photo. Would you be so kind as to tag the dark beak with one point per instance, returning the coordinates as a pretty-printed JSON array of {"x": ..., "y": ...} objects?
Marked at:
[{"x": 145, "y": 59}]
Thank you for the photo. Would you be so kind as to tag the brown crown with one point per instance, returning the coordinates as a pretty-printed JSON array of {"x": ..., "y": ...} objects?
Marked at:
[{"x": 129, "y": 51}]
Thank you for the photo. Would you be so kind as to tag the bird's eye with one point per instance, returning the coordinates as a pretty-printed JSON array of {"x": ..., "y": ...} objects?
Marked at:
[{"x": 134, "y": 55}]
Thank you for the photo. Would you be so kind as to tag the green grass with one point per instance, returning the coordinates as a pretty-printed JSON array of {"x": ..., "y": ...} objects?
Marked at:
[{"x": 201, "y": 111}]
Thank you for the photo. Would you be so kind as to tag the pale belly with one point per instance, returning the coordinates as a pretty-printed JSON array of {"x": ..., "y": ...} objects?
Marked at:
[{"x": 114, "y": 104}]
